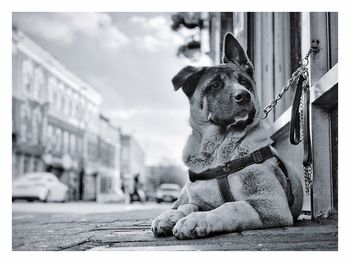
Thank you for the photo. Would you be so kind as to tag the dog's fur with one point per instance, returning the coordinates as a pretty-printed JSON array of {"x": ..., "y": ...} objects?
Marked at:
[{"x": 226, "y": 124}]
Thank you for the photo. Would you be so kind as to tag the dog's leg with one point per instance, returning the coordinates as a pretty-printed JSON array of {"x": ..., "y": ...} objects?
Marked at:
[
  {"x": 163, "y": 225},
  {"x": 232, "y": 217}
]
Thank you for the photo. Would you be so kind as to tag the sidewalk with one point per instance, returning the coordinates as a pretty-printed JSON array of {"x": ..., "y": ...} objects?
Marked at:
[{"x": 129, "y": 229}]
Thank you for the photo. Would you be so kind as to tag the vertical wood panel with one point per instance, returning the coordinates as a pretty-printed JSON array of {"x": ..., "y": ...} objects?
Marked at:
[
  {"x": 240, "y": 28},
  {"x": 217, "y": 26},
  {"x": 251, "y": 17},
  {"x": 266, "y": 28},
  {"x": 322, "y": 195},
  {"x": 333, "y": 37},
  {"x": 281, "y": 59},
  {"x": 320, "y": 63},
  {"x": 258, "y": 56}
]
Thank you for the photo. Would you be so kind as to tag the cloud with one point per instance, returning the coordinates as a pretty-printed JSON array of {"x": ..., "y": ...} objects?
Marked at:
[
  {"x": 157, "y": 33},
  {"x": 63, "y": 28}
]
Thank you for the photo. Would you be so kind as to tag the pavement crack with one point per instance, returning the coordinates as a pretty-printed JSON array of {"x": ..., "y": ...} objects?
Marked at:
[{"x": 88, "y": 240}]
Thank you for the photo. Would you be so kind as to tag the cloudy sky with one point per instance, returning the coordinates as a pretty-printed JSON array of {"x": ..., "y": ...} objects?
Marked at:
[{"x": 129, "y": 58}]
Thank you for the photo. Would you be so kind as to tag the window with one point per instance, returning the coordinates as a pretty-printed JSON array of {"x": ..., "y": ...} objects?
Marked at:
[
  {"x": 26, "y": 164},
  {"x": 82, "y": 107},
  {"x": 25, "y": 116},
  {"x": 53, "y": 139},
  {"x": 68, "y": 106},
  {"x": 38, "y": 86},
  {"x": 65, "y": 142},
  {"x": 27, "y": 76},
  {"x": 36, "y": 124},
  {"x": 58, "y": 140},
  {"x": 106, "y": 184},
  {"x": 74, "y": 105},
  {"x": 73, "y": 145},
  {"x": 58, "y": 100},
  {"x": 52, "y": 86},
  {"x": 50, "y": 137},
  {"x": 79, "y": 146},
  {"x": 36, "y": 164},
  {"x": 61, "y": 103}
]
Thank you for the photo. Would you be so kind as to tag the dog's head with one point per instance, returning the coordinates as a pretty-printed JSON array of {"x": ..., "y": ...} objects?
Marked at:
[{"x": 223, "y": 95}]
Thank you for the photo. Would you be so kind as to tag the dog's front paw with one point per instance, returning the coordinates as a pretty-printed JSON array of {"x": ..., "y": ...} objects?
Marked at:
[
  {"x": 195, "y": 225},
  {"x": 163, "y": 225}
]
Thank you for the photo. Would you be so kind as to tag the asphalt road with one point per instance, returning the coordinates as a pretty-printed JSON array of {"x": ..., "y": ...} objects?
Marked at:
[{"x": 92, "y": 226}]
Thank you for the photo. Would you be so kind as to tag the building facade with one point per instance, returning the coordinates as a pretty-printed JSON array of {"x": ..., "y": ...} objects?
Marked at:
[
  {"x": 56, "y": 122},
  {"x": 109, "y": 150}
]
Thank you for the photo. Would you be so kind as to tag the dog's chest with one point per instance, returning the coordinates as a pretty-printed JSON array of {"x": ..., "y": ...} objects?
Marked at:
[{"x": 206, "y": 194}]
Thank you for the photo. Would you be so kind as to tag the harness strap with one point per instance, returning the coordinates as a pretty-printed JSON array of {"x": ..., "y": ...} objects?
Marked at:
[
  {"x": 224, "y": 188},
  {"x": 222, "y": 172},
  {"x": 233, "y": 166},
  {"x": 289, "y": 193}
]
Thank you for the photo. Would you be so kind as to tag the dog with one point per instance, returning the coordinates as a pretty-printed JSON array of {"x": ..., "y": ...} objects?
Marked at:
[{"x": 226, "y": 124}]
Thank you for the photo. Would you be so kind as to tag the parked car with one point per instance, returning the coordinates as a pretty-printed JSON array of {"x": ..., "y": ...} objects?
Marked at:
[
  {"x": 168, "y": 192},
  {"x": 44, "y": 187}
]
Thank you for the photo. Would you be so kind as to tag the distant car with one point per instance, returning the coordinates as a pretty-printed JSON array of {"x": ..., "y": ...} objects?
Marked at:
[
  {"x": 44, "y": 187},
  {"x": 168, "y": 192}
]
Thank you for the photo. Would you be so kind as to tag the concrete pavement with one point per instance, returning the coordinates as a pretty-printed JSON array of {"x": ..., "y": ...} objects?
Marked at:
[{"x": 85, "y": 226}]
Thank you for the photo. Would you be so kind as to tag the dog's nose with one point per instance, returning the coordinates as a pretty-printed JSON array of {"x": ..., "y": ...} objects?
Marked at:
[{"x": 241, "y": 96}]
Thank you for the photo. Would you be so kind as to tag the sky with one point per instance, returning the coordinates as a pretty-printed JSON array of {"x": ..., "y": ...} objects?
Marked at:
[{"x": 129, "y": 58}]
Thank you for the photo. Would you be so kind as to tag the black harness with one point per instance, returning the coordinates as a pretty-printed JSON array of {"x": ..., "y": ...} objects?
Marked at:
[{"x": 222, "y": 172}]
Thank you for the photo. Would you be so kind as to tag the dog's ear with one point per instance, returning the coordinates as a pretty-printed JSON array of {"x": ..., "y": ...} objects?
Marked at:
[
  {"x": 233, "y": 52},
  {"x": 188, "y": 79}
]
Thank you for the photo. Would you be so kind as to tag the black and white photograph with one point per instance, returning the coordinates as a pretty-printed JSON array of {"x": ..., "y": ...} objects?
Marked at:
[{"x": 174, "y": 131}]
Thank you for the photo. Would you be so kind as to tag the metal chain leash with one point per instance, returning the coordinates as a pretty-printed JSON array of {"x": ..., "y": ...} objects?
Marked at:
[
  {"x": 295, "y": 76},
  {"x": 301, "y": 71},
  {"x": 308, "y": 172}
]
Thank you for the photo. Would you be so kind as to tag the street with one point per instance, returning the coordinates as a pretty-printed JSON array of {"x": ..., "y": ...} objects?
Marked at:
[{"x": 93, "y": 226}]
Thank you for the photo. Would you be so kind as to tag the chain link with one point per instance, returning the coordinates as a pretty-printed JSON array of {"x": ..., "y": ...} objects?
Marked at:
[
  {"x": 308, "y": 171},
  {"x": 302, "y": 70},
  {"x": 295, "y": 76}
]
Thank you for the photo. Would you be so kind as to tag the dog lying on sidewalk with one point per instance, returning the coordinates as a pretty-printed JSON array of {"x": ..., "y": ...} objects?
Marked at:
[{"x": 237, "y": 180}]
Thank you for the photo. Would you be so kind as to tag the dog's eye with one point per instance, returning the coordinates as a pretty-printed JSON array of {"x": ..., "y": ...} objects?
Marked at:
[
  {"x": 243, "y": 82},
  {"x": 214, "y": 86}
]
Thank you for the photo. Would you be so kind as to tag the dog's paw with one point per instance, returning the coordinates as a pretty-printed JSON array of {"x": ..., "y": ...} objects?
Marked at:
[
  {"x": 195, "y": 225},
  {"x": 163, "y": 225}
]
